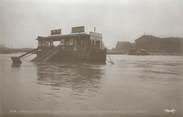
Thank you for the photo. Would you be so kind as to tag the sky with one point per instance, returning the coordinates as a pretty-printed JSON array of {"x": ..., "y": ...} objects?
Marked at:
[{"x": 21, "y": 21}]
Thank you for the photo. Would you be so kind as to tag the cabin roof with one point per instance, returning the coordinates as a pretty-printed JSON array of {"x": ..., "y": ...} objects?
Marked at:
[{"x": 65, "y": 36}]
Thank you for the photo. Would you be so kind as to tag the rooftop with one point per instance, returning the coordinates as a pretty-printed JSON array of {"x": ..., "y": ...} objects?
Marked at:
[
  {"x": 65, "y": 36},
  {"x": 151, "y": 37}
]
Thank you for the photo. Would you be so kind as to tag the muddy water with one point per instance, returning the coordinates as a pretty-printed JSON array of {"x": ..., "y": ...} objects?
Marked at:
[{"x": 134, "y": 85}]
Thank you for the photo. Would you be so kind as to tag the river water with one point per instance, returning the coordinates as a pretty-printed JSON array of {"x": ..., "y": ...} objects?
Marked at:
[{"x": 132, "y": 86}]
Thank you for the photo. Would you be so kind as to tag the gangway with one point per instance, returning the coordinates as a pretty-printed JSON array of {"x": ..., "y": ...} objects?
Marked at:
[
  {"x": 47, "y": 55},
  {"x": 17, "y": 59},
  {"x": 42, "y": 56}
]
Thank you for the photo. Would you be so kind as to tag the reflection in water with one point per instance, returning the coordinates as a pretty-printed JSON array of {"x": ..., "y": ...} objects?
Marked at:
[
  {"x": 78, "y": 77},
  {"x": 13, "y": 65}
]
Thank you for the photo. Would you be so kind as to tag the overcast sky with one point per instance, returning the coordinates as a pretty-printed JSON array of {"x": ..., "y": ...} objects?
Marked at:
[{"x": 21, "y": 21}]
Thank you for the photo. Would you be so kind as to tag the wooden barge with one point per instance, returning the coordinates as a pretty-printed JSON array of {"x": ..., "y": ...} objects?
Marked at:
[{"x": 78, "y": 46}]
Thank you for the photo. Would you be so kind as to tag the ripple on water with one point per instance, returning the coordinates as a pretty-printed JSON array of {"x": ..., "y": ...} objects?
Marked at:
[{"x": 152, "y": 83}]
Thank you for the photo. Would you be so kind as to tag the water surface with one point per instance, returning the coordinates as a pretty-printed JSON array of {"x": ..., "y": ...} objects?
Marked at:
[{"x": 134, "y": 85}]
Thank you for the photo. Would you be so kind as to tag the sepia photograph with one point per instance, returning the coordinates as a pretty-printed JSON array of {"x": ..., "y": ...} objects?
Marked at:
[{"x": 91, "y": 58}]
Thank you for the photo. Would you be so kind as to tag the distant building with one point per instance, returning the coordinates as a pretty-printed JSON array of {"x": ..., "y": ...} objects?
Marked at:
[
  {"x": 123, "y": 47},
  {"x": 2, "y": 46},
  {"x": 171, "y": 45}
]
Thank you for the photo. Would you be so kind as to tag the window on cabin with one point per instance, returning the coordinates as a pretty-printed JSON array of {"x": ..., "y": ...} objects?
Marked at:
[
  {"x": 71, "y": 42},
  {"x": 62, "y": 42},
  {"x": 97, "y": 44},
  {"x": 56, "y": 43}
]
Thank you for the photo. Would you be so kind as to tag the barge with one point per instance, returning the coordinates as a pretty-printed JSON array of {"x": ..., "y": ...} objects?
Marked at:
[{"x": 78, "y": 46}]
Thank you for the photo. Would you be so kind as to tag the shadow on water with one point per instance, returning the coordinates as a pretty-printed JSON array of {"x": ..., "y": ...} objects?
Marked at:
[{"x": 78, "y": 77}]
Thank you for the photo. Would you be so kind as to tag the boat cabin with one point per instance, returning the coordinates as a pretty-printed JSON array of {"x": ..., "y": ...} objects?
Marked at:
[
  {"x": 77, "y": 40},
  {"x": 76, "y": 46}
]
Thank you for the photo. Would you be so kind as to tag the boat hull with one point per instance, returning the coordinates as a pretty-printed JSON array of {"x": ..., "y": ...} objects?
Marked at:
[{"x": 97, "y": 56}]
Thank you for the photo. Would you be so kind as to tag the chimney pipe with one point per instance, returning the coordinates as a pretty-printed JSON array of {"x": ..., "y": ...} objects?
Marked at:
[{"x": 94, "y": 29}]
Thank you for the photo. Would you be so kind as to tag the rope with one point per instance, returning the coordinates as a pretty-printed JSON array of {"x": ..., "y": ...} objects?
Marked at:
[{"x": 110, "y": 61}]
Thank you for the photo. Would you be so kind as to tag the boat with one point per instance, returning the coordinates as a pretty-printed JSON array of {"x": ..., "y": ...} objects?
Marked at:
[
  {"x": 78, "y": 46},
  {"x": 138, "y": 52},
  {"x": 16, "y": 60}
]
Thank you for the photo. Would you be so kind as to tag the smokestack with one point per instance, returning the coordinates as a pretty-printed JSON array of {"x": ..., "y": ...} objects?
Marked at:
[{"x": 94, "y": 29}]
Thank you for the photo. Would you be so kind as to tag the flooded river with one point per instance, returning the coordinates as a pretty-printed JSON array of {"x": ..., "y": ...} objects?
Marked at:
[{"x": 132, "y": 86}]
